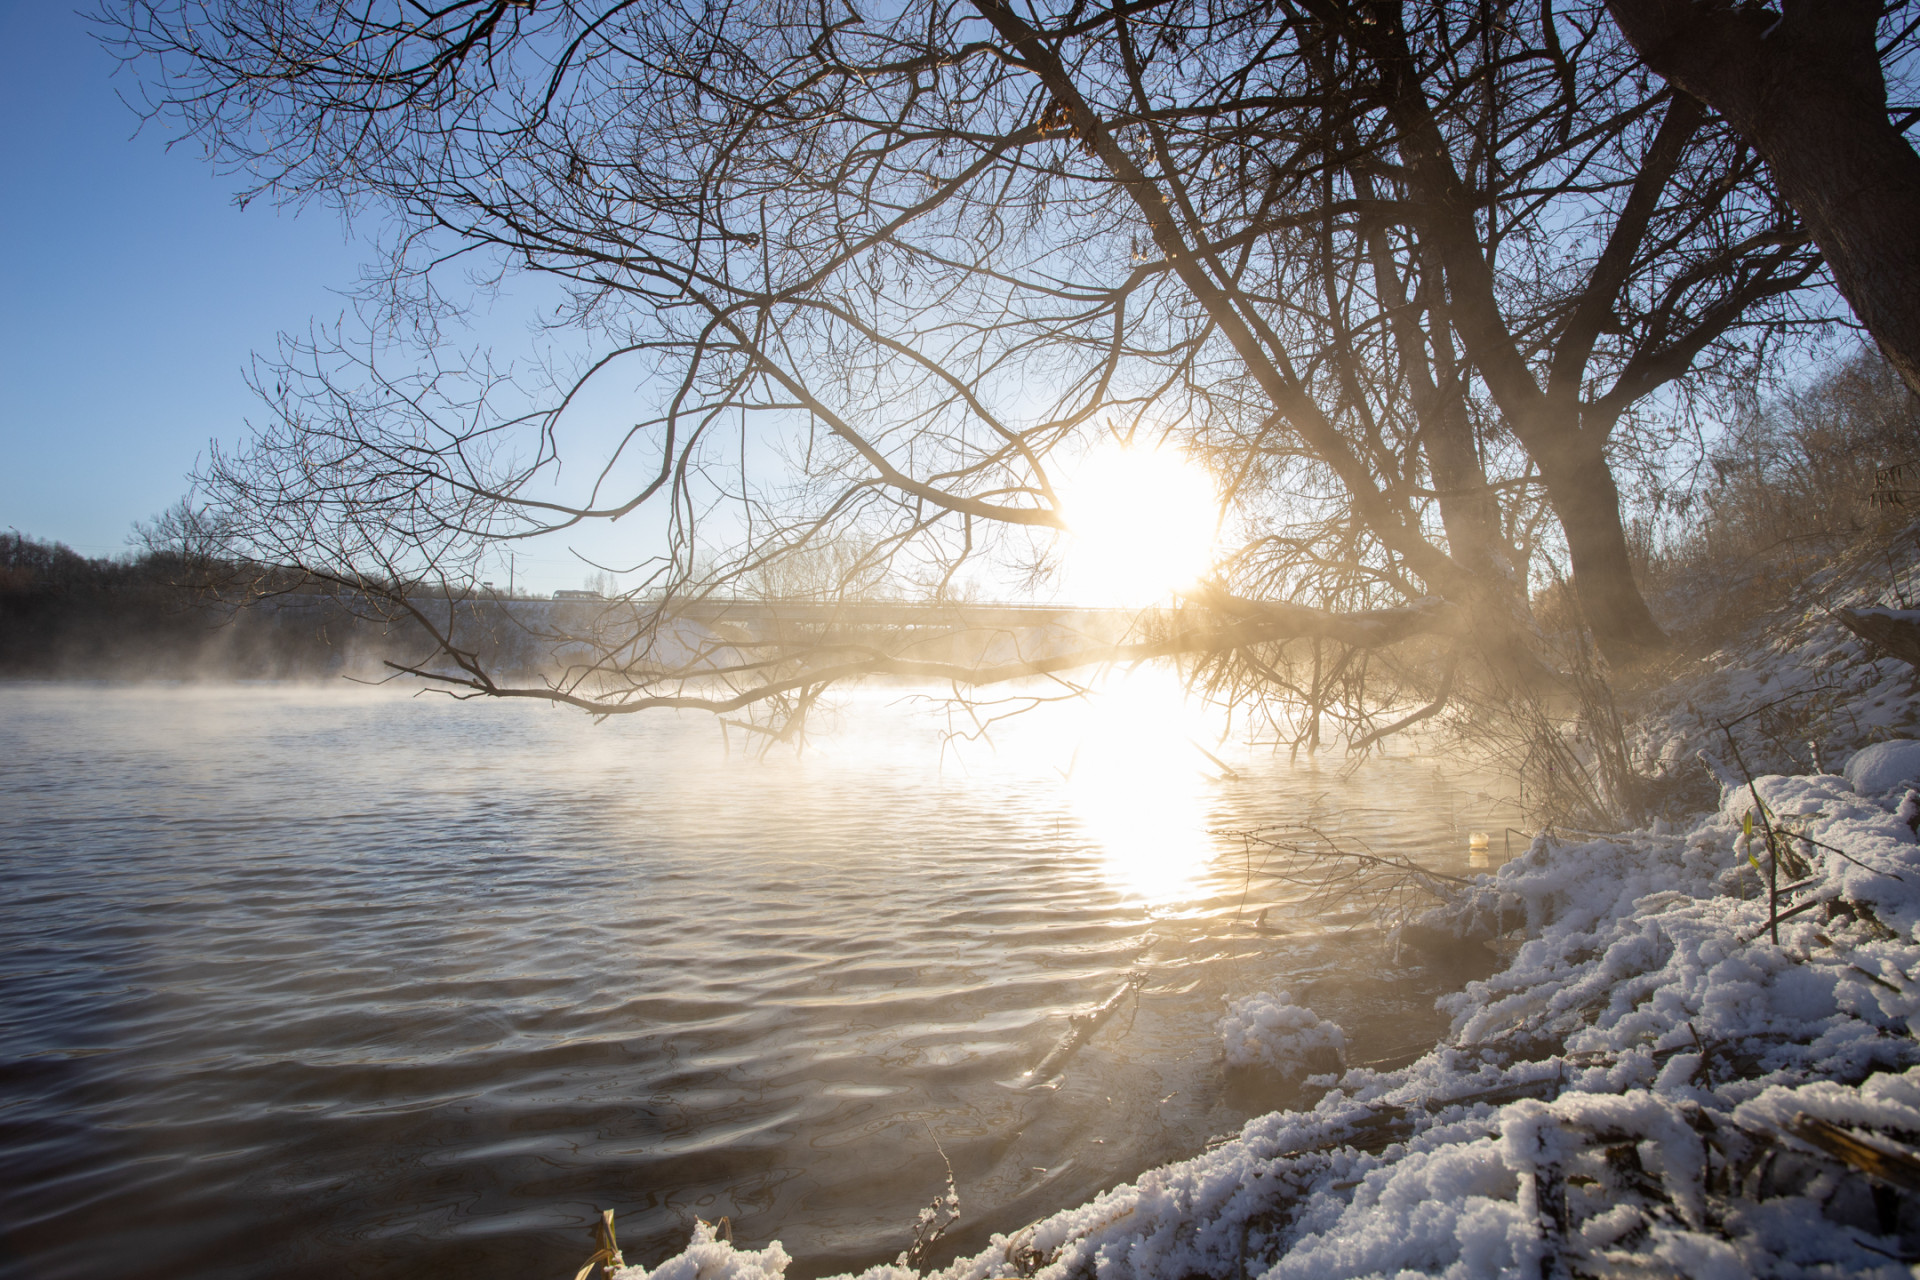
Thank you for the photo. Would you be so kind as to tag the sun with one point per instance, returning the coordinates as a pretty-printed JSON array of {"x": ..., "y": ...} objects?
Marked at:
[{"x": 1141, "y": 524}]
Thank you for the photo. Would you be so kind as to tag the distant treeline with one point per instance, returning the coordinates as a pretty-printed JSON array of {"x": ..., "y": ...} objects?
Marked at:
[
  {"x": 164, "y": 613},
  {"x": 155, "y": 613}
]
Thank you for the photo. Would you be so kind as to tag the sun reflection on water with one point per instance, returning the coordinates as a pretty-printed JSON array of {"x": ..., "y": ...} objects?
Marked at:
[
  {"x": 1120, "y": 761},
  {"x": 1138, "y": 786}
]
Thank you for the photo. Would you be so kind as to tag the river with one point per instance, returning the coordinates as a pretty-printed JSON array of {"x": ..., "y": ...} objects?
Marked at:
[{"x": 316, "y": 981}]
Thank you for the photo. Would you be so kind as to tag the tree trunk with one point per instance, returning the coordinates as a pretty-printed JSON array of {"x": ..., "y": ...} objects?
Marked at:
[
  {"x": 1805, "y": 88},
  {"x": 1468, "y": 512},
  {"x": 1581, "y": 490},
  {"x": 1894, "y": 631}
]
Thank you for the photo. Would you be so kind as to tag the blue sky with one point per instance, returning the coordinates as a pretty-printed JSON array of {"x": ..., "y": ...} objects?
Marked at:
[{"x": 132, "y": 292}]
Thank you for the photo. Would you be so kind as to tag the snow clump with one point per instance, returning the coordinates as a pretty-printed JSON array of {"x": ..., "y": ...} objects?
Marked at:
[
  {"x": 1878, "y": 769},
  {"x": 1268, "y": 1030},
  {"x": 709, "y": 1257}
]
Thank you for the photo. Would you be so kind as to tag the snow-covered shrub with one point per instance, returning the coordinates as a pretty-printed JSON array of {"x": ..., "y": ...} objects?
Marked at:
[{"x": 1268, "y": 1030}]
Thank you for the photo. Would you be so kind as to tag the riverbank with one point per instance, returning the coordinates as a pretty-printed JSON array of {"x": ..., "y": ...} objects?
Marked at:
[
  {"x": 1699, "y": 1059},
  {"x": 1653, "y": 1085}
]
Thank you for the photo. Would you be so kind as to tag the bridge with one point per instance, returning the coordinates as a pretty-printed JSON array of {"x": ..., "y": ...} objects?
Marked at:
[
  {"x": 945, "y": 615},
  {"x": 949, "y": 630}
]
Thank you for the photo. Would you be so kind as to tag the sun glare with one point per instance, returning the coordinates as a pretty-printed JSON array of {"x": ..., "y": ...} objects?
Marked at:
[{"x": 1142, "y": 524}]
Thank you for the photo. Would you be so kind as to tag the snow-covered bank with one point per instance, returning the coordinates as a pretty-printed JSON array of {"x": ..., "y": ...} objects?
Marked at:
[
  {"x": 1631, "y": 1095},
  {"x": 1797, "y": 688}
]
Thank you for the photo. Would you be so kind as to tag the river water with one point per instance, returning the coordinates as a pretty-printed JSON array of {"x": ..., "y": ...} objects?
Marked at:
[{"x": 305, "y": 982}]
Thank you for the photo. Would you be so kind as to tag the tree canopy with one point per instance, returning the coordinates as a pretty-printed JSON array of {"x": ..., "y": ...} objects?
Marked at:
[{"x": 1411, "y": 281}]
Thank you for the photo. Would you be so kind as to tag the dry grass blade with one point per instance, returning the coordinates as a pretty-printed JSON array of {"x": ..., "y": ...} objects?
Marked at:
[{"x": 608, "y": 1254}]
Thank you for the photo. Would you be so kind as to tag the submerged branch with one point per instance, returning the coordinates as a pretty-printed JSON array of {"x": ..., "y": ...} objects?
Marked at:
[{"x": 1337, "y": 877}]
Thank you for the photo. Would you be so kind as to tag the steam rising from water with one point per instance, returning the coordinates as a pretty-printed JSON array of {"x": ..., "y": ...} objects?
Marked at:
[{"x": 301, "y": 982}]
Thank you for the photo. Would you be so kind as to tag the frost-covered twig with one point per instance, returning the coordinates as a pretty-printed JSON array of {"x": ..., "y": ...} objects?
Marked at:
[{"x": 929, "y": 1226}]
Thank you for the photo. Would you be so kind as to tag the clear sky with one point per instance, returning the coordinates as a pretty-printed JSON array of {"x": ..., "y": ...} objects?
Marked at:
[{"x": 131, "y": 291}]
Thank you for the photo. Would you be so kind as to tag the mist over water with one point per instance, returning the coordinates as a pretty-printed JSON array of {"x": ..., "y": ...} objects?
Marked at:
[{"x": 315, "y": 982}]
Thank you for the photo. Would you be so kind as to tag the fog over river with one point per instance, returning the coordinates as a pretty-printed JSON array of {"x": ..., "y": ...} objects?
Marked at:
[{"x": 323, "y": 982}]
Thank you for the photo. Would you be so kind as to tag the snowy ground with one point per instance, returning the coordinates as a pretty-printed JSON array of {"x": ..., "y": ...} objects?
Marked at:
[
  {"x": 1699, "y": 1061},
  {"x": 1637, "y": 1093},
  {"x": 1796, "y": 690},
  {"x": 1266, "y": 1031}
]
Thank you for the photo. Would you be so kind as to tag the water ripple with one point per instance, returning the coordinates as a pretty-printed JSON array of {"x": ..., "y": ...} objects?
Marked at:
[{"x": 315, "y": 984}]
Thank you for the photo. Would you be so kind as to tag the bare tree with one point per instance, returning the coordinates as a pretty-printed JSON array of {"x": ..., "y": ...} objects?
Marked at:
[
  {"x": 1806, "y": 86},
  {"x": 1403, "y": 277}
]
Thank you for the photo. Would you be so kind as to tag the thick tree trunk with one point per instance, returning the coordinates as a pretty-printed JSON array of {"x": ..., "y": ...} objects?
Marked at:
[
  {"x": 1895, "y": 631},
  {"x": 1495, "y": 592},
  {"x": 1570, "y": 454},
  {"x": 1805, "y": 87},
  {"x": 1581, "y": 490},
  {"x": 1467, "y": 510}
]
